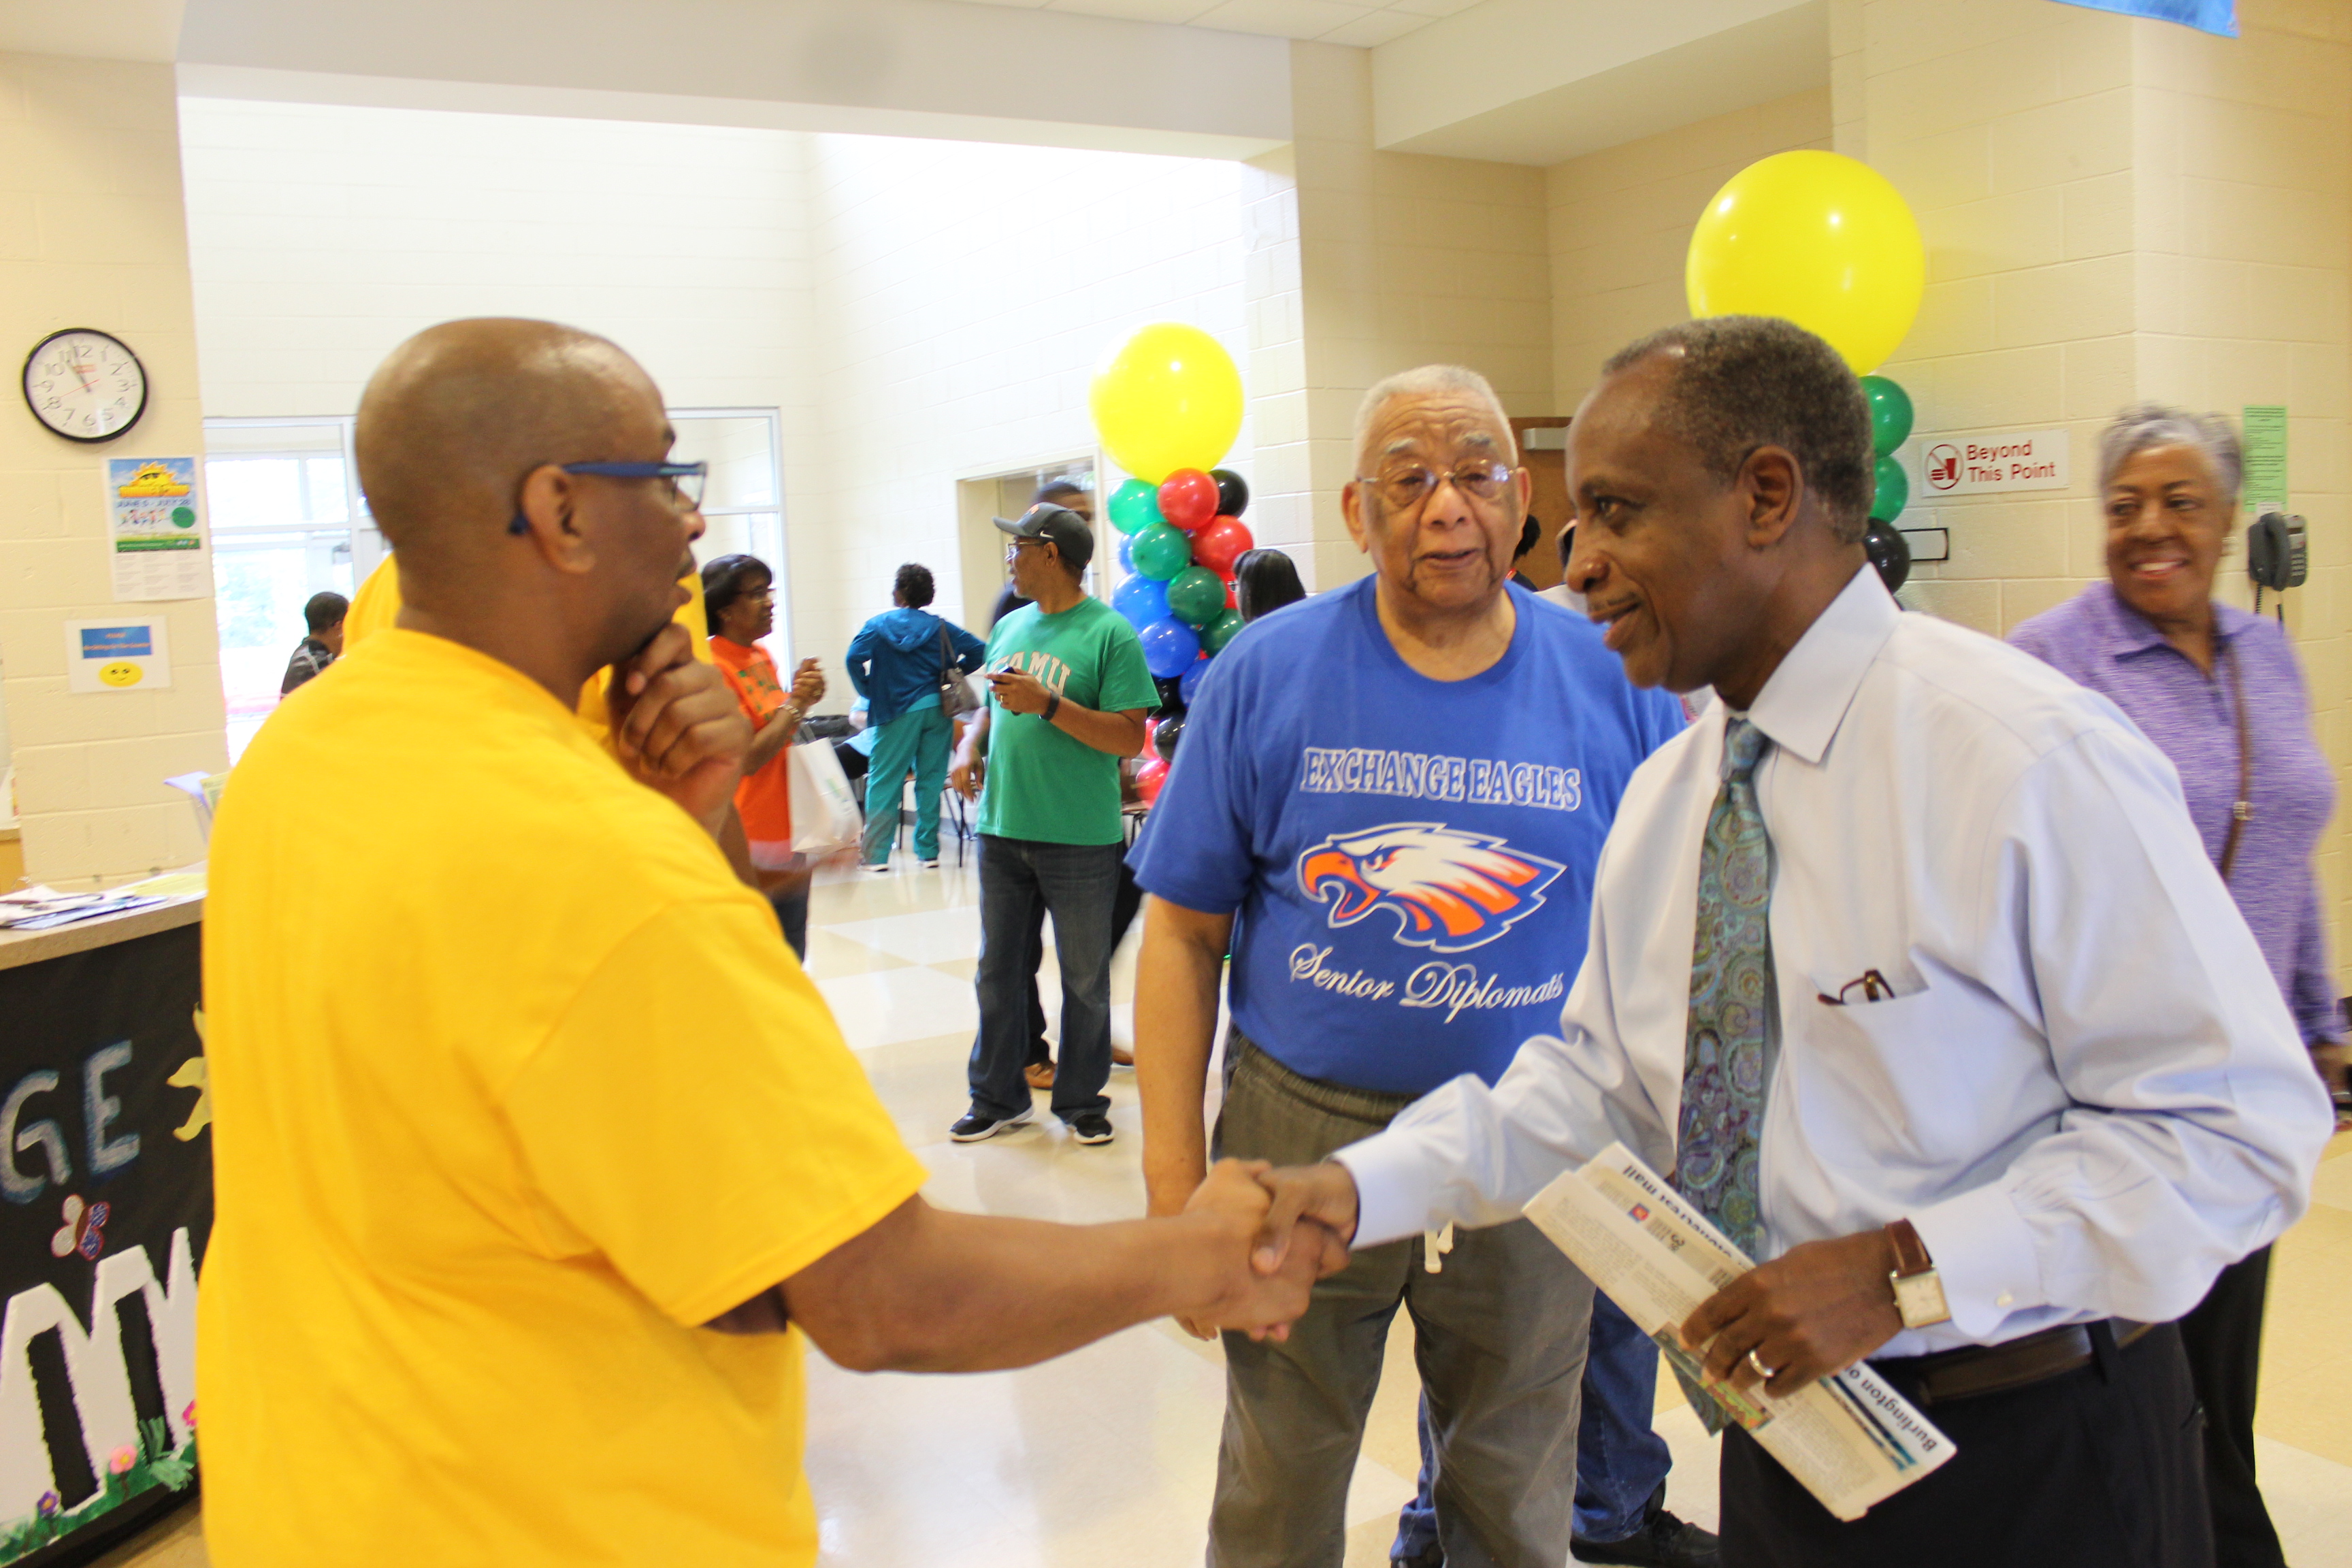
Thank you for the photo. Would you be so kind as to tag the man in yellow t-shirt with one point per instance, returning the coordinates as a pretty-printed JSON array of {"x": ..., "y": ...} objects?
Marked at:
[{"x": 533, "y": 1140}]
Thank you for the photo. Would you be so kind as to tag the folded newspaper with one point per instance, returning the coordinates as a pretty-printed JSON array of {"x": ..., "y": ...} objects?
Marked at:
[{"x": 1851, "y": 1439}]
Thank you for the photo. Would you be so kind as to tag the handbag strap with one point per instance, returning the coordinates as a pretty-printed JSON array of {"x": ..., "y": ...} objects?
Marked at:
[
  {"x": 947, "y": 657},
  {"x": 2242, "y": 808}
]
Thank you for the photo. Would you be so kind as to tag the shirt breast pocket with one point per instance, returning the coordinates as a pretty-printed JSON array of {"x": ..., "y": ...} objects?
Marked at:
[{"x": 1871, "y": 1058}]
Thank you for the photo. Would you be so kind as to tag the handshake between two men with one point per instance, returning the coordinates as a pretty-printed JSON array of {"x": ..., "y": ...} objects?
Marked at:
[{"x": 1816, "y": 1309}]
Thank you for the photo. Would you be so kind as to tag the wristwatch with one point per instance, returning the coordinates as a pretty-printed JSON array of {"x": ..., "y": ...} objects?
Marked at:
[{"x": 1918, "y": 1288}]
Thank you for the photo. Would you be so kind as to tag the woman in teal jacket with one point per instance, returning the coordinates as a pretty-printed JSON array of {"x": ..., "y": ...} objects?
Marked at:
[{"x": 895, "y": 661}]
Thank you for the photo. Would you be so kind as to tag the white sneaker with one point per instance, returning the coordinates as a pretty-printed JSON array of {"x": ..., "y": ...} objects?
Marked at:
[
  {"x": 880, "y": 870},
  {"x": 932, "y": 864}
]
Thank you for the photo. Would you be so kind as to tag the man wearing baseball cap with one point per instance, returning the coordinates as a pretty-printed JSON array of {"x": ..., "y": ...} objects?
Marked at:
[{"x": 1068, "y": 692}]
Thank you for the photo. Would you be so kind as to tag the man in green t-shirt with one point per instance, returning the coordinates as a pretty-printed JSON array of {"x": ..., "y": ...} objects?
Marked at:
[{"x": 1068, "y": 692}]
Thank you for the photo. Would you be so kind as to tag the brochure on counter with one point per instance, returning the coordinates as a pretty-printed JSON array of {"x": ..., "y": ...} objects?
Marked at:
[{"x": 1850, "y": 1439}]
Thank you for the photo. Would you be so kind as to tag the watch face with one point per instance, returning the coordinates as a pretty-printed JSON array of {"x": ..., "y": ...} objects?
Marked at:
[
  {"x": 85, "y": 385},
  {"x": 1920, "y": 1299}
]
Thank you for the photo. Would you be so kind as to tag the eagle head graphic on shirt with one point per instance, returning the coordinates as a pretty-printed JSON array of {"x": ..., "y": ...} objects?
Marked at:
[{"x": 1450, "y": 891}]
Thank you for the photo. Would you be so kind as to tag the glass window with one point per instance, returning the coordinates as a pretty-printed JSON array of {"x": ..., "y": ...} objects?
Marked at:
[{"x": 289, "y": 522}]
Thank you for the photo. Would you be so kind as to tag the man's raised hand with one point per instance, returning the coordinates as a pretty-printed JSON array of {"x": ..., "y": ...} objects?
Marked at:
[{"x": 676, "y": 726}]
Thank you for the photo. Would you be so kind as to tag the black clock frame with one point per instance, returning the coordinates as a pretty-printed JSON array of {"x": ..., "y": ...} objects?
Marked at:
[{"x": 146, "y": 386}]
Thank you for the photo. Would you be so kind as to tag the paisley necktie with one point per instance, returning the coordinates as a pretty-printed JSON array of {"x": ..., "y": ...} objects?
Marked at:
[{"x": 1724, "y": 1056}]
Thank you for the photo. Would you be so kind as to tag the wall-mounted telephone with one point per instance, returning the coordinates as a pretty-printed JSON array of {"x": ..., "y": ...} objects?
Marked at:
[{"x": 2278, "y": 555}]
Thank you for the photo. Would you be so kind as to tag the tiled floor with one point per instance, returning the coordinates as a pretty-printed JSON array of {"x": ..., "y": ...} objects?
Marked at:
[{"x": 1108, "y": 1455}]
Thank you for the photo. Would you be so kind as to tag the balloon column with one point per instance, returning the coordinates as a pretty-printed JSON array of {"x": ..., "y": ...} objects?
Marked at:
[
  {"x": 1167, "y": 403},
  {"x": 1890, "y": 426}
]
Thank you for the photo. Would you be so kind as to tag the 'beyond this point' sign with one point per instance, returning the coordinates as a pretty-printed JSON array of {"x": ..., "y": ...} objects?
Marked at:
[{"x": 2006, "y": 460}]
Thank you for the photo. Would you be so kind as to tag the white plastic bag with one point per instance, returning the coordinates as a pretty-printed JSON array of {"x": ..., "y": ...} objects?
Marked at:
[{"x": 825, "y": 812}]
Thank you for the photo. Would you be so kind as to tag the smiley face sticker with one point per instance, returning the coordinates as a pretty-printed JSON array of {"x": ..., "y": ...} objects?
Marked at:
[{"x": 121, "y": 672}]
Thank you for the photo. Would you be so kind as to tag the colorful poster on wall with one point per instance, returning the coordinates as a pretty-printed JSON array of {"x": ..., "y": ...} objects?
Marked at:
[
  {"x": 118, "y": 654},
  {"x": 105, "y": 1209},
  {"x": 155, "y": 529}
]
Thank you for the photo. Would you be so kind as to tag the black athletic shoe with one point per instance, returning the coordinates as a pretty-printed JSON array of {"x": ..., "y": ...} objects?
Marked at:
[
  {"x": 971, "y": 1127},
  {"x": 1091, "y": 1128},
  {"x": 1663, "y": 1541}
]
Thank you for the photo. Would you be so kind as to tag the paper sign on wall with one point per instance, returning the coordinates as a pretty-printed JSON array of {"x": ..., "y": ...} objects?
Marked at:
[
  {"x": 2266, "y": 458},
  {"x": 117, "y": 656},
  {"x": 2005, "y": 461},
  {"x": 156, "y": 529}
]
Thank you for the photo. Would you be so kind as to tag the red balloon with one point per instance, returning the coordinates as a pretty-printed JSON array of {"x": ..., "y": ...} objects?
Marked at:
[
  {"x": 1149, "y": 778},
  {"x": 1233, "y": 592},
  {"x": 1150, "y": 738},
  {"x": 1188, "y": 498},
  {"x": 1220, "y": 544}
]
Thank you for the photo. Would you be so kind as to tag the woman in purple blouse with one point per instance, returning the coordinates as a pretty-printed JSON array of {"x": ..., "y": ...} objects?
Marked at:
[{"x": 2220, "y": 693}]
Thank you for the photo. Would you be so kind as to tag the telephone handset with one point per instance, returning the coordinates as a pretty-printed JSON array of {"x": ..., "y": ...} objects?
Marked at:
[{"x": 2278, "y": 553}]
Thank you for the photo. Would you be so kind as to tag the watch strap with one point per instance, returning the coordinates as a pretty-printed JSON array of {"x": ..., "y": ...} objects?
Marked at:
[
  {"x": 1053, "y": 706},
  {"x": 1910, "y": 1252}
]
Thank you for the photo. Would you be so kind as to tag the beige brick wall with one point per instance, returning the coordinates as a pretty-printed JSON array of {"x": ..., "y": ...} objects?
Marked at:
[
  {"x": 91, "y": 234},
  {"x": 1363, "y": 263},
  {"x": 2119, "y": 210},
  {"x": 1620, "y": 219}
]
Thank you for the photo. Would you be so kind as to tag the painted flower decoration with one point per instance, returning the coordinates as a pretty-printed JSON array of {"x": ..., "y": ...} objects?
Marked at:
[
  {"x": 122, "y": 1460},
  {"x": 49, "y": 1505},
  {"x": 188, "y": 1416}
]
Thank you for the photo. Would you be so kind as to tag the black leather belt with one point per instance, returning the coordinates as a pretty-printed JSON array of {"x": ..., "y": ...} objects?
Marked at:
[{"x": 1974, "y": 1371}]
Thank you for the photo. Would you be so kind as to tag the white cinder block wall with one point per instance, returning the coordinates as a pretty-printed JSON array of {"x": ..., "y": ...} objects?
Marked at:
[
  {"x": 90, "y": 235},
  {"x": 920, "y": 312},
  {"x": 323, "y": 235},
  {"x": 964, "y": 294}
]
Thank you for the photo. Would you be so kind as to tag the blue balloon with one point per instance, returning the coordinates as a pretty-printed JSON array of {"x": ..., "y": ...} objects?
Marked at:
[
  {"x": 1169, "y": 646},
  {"x": 1127, "y": 557},
  {"x": 1190, "y": 682},
  {"x": 1141, "y": 601}
]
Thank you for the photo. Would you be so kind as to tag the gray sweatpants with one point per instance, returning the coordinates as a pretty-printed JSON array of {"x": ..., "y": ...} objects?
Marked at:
[{"x": 1498, "y": 1334}]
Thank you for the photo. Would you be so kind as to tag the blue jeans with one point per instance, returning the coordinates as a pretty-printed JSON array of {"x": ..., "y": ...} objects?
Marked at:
[
  {"x": 1078, "y": 884},
  {"x": 917, "y": 741},
  {"x": 1620, "y": 1460}
]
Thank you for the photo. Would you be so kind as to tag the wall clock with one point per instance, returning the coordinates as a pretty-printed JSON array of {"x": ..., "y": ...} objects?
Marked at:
[{"x": 85, "y": 385}]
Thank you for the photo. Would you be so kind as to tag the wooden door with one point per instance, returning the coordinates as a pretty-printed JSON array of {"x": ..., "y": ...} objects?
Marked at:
[{"x": 1543, "y": 452}]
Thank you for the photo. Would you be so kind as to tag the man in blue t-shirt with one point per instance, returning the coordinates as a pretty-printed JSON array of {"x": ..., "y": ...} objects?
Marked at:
[{"x": 1389, "y": 808}]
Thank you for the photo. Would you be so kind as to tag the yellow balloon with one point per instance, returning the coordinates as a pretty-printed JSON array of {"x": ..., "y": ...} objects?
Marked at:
[
  {"x": 1168, "y": 398},
  {"x": 1819, "y": 238}
]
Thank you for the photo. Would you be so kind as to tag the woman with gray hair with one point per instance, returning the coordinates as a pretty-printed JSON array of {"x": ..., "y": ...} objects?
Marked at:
[{"x": 2219, "y": 691}]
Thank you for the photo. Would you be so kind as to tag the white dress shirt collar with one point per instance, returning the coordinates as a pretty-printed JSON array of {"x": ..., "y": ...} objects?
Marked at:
[{"x": 1805, "y": 699}]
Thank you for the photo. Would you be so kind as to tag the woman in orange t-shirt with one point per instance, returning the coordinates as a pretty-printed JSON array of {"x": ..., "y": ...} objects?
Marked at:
[{"x": 738, "y": 591}]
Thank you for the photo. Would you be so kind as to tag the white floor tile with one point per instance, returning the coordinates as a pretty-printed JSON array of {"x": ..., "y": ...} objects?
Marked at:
[
  {"x": 2310, "y": 1499},
  {"x": 895, "y": 1004},
  {"x": 928, "y": 936}
]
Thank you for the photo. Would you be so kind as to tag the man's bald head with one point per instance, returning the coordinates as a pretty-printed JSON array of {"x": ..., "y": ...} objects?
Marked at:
[{"x": 452, "y": 421}]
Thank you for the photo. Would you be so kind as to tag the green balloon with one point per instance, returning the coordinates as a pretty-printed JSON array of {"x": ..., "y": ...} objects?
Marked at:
[
  {"x": 1161, "y": 553},
  {"x": 1196, "y": 596},
  {"x": 1219, "y": 632},
  {"x": 1890, "y": 413},
  {"x": 1894, "y": 491},
  {"x": 1134, "y": 506}
]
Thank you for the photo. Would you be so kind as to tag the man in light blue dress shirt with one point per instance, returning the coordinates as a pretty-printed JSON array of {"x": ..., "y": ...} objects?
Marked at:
[{"x": 2007, "y": 1055}]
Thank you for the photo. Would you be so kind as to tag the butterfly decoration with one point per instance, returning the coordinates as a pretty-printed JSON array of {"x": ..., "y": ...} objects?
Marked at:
[{"x": 83, "y": 1231}]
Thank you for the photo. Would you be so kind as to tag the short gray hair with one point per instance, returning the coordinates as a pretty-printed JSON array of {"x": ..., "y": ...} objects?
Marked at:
[
  {"x": 1430, "y": 381},
  {"x": 1744, "y": 382},
  {"x": 2147, "y": 424}
]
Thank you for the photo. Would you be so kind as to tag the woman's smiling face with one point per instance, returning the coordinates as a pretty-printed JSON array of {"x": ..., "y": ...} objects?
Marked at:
[{"x": 2167, "y": 520}]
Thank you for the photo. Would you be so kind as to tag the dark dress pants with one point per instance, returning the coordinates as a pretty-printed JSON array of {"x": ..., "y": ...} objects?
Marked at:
[
  {"x": 2099, "y": 1468},
  {"x": 2223, "y": 1337}
]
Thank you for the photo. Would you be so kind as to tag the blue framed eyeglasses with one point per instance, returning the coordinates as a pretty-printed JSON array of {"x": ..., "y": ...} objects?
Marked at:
[{"x": 685, "y": 482}]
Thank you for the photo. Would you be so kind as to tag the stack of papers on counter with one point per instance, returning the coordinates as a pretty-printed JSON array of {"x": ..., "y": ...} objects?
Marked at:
[{"x": 39, "y": 908}]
